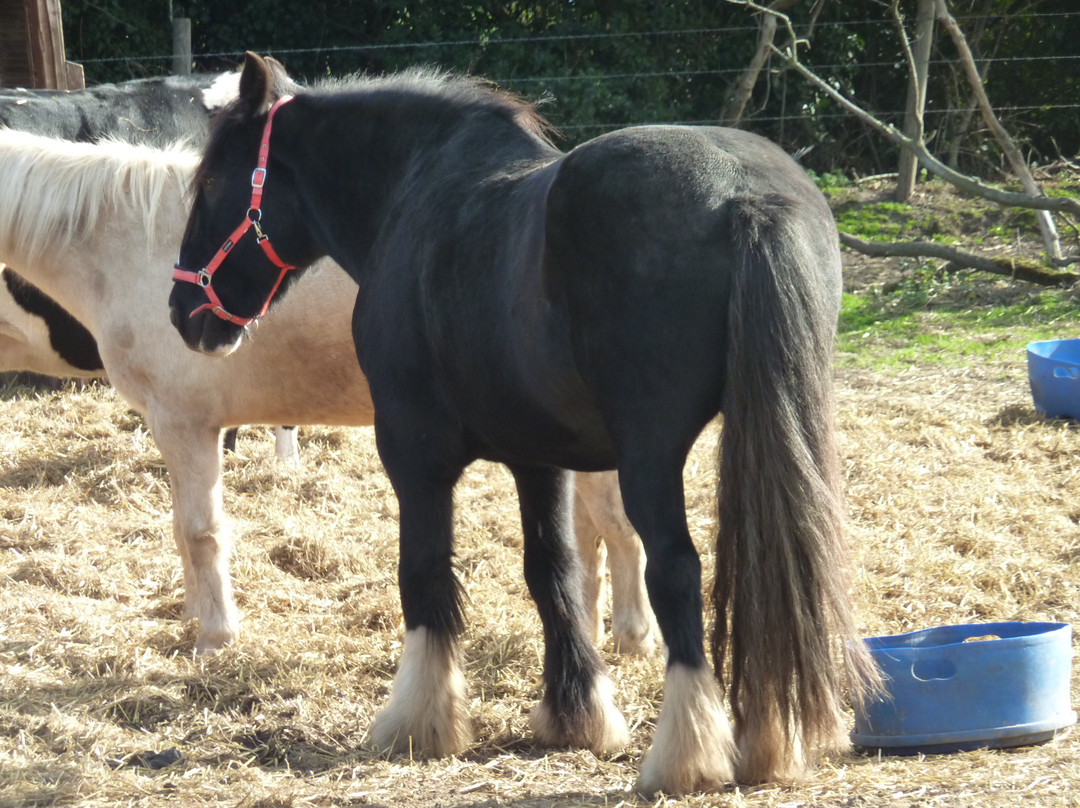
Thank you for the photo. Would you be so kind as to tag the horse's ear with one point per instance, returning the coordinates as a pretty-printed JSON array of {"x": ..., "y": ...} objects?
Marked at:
[
  {"x": 283, "y": 82},
  {"x": 256, "y": 84},
  {"x": 277, "y": 69}
]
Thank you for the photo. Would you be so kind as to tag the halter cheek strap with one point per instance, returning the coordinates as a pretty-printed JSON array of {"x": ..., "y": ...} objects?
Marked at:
[{"x": 252, "y": 221}]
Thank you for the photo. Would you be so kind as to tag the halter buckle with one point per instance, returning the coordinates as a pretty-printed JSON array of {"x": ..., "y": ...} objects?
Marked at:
[{"x": 258, "y": 177}]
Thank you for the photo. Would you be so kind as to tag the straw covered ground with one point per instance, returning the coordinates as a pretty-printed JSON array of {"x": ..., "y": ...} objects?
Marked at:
[{"x": 964, "y": 506}]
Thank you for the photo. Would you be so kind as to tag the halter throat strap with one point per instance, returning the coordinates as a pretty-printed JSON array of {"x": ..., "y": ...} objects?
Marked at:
[{"x": 252, "y": 221}]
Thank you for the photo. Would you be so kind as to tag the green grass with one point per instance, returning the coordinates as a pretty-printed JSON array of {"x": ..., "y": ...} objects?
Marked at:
[
  {"x": 896, "y": 221},
  {"x": 959, "y": 319},
  {"x": 951, "y": 323}
]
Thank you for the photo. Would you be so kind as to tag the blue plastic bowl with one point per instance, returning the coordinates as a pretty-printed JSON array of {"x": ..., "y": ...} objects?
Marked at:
[
  {"x": 1054, "y": 375},
  {"x": 948, "y": 691}
]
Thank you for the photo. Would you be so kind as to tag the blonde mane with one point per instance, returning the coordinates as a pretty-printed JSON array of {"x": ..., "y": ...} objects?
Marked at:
[{"x": 55, "y": 192}]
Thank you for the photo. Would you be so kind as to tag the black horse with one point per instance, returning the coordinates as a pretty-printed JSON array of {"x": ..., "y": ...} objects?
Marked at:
[{"x": 587, "y": 310}]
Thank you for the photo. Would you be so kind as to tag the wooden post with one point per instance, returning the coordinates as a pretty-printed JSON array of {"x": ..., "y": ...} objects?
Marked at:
[
  {"x": 36, "y": 38},
  {"x": 15, "y": 68},
  {"x": 76, "y": 76},
  {"x": 181, "y": 45},
  {"x": 46, "y": 44},
  {"x": 916, "y": 99}
]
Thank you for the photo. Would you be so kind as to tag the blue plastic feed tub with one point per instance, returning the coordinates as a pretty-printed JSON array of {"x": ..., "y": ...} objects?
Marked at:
[
  {"x": 1054, "y": 374},
  {"x": 955, "y": 688}
]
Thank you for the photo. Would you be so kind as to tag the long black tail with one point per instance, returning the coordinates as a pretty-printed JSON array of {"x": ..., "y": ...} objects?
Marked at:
[{"x": 781, "y": 593}]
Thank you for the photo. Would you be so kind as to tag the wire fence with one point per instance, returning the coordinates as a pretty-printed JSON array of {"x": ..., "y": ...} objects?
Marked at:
[
  {"x": 611, "y": 79},
  {"x": 747, "y": 29},
  {"x": 1068, "y": 62}
]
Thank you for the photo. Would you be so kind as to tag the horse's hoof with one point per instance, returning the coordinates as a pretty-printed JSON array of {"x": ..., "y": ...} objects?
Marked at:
[
  {"x": 682, "y": 781},
  {"x": 769, "y": 755},
  {"x": 208, "y": 646},
  {"x": 603, "y": 730},
  {"x": 426, "y": 715},
  {"x": 210, "y": 641},
  {"x": 770, "y": 768},
  {"x": 391, "y": 735},
  {"x": 634, "y": 641},
  {"x": 693, "y": 748}
]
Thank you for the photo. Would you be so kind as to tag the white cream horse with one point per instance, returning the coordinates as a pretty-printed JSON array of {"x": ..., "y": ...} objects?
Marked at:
[
  {"x": 96, "y": 227},
  {"x": 40, "y": 336}
]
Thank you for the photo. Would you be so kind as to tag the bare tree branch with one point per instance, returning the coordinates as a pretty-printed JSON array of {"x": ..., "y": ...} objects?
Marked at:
[
  {"x": 1019, "y": 269},
  {"x": 1024, "y": 270},
  {"x": 972, "y": 185},
  {"x": 931, "y": 163}
]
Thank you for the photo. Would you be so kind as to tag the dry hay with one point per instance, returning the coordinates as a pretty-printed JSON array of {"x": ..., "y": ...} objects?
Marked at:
[{"x": 964, "y": 507}]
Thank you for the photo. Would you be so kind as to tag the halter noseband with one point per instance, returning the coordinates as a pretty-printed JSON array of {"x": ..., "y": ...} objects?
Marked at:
[{"x": 252, "y": 221}]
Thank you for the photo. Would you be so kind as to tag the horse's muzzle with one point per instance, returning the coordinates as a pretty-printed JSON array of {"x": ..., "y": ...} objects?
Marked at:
[{"x": 202, "y": 332}]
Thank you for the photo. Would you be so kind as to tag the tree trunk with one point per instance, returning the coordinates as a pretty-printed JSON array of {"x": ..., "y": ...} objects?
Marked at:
[
  {"x": 743, "y": 89},
  {"x": 916, "y": 100},
  {"x": 1012, "y": 153}
]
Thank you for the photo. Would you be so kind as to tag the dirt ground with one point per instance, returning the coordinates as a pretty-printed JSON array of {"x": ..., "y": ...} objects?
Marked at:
[{"x": 963, "y": 506}]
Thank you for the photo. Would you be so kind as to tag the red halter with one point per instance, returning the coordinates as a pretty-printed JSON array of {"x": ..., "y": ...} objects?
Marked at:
[{"x": 205, "y": 276}]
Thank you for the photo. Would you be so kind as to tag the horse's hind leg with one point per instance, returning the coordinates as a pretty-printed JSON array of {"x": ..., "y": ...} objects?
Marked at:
[
  {"x": 599, "y": 505},
  {"x": 426, "y": 715},
  {"x": 693, "y": 748},
  {"x": 577, "y": 707},
  {"x": 192, "y": 454}
]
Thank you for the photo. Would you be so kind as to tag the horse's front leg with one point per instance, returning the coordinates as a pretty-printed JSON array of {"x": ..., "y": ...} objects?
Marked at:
[
  {"x": 426, "y": 715},
  {"x": 577, "y": 707},
  {"x": 286, "y": 445},
  {"x": 192, "y": 454}
]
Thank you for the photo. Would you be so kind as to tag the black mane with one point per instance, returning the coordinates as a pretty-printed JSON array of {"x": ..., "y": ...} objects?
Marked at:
[{"x": 451, "y": 92}]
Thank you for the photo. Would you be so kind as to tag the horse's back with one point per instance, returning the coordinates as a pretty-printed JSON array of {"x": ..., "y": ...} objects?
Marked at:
[
  {"x": 675, "y": 184},
  {"x": 654, "y": 207},
  {"x": 158, "y": 111}
]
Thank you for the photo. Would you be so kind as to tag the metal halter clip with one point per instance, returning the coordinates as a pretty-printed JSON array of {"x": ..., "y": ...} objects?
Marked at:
[{"x": 204, "y": 278}]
